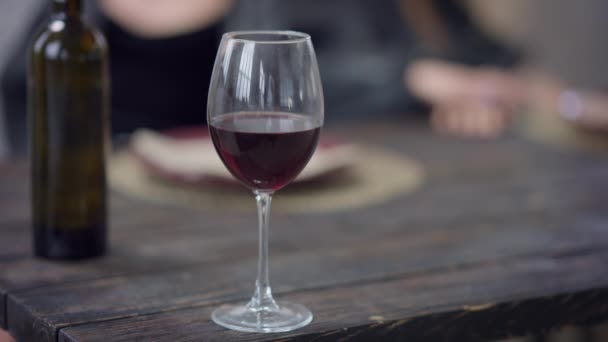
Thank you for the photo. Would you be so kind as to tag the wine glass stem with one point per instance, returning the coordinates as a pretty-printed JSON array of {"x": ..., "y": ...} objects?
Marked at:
[{"x": 262, "y": 297}]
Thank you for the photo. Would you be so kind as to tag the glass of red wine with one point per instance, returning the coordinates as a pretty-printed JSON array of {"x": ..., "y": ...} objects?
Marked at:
[{"x": 265, "y": 112}]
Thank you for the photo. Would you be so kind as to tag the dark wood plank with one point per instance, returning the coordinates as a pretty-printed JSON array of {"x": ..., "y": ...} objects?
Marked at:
[
  {"x": 452, "y": 161},
  {"x": 489, "y": 301},
  {"x": 153, "y": 252},
  {"x": 3, "y": 296},
  {"x": 128, "y": 255},
  {"x": 474, "y": 185},
  {"x": 384, "y": 257}
]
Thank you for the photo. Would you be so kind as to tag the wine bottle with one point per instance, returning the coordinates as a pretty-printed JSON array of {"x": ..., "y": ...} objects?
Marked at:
[{"x": 69, "y": 119}]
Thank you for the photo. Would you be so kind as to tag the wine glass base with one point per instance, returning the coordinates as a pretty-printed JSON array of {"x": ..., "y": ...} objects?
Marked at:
[{"x": 285, "y": 317}]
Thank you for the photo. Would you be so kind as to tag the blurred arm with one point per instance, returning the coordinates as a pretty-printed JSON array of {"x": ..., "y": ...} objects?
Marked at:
[{"x": 479, "y": 102}]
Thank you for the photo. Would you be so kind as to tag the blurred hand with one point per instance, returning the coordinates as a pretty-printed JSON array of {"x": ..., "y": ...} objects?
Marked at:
[
  {"x": 586, "y": 109},
  {"x": 547, "y": 95},
  {"x": 481, "y": 102},
  {"x": 470, "y": 119},
  {"x": 466, "y": 102},
  {"x": 164, "y": 18},
  {"x": 4, "y": 337}
]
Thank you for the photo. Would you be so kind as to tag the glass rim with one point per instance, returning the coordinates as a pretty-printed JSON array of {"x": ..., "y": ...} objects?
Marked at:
[{"x": 291, "y": 37}]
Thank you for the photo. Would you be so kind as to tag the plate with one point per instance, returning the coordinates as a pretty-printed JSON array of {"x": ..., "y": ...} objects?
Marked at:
[{"x": 187, "y": 155}]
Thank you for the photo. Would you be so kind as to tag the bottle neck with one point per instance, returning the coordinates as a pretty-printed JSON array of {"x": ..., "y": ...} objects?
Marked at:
[{"x": 67, "y": 8}]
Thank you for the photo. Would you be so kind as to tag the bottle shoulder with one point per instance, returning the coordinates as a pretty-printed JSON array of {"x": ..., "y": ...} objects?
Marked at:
[{"x": 64, "y": 39}]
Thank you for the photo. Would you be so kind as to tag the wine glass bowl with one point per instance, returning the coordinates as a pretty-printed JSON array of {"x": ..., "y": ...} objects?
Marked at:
[
  {"x": 265, "y": 151},
  {"x": 265, "y": 113}
]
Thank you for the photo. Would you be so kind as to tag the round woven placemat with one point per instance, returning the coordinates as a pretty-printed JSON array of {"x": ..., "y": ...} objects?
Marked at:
[
  {"x": 376, "y": 176},
  {"x": 552, "y": 130}
]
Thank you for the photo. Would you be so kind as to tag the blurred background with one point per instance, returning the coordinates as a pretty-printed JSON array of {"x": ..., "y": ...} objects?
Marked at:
[{"x": 471, "y": 64}]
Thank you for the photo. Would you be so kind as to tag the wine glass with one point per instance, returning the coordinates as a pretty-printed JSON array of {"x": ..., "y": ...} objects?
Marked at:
[{"x": 265, "y": 112}]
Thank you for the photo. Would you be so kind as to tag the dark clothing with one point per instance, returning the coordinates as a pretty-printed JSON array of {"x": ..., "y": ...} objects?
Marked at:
[
  {"x": 362, "y": 47},
  {"x": 160, "y": 83}
]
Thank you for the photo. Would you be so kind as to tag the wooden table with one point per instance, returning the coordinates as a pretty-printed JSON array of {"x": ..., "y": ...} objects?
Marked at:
[{"x": 505, "y": 238}]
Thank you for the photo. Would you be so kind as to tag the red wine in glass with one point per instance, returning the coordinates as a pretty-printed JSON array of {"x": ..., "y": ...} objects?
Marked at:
[{"x": 265, "y": 150}]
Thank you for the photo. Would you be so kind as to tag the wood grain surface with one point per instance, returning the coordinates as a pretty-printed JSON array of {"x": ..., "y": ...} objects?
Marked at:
[{"x": 505, "y": 238}]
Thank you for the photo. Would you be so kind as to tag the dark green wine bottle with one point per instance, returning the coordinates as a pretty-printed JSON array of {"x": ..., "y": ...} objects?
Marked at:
[{"x": 69, "y": 119}]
